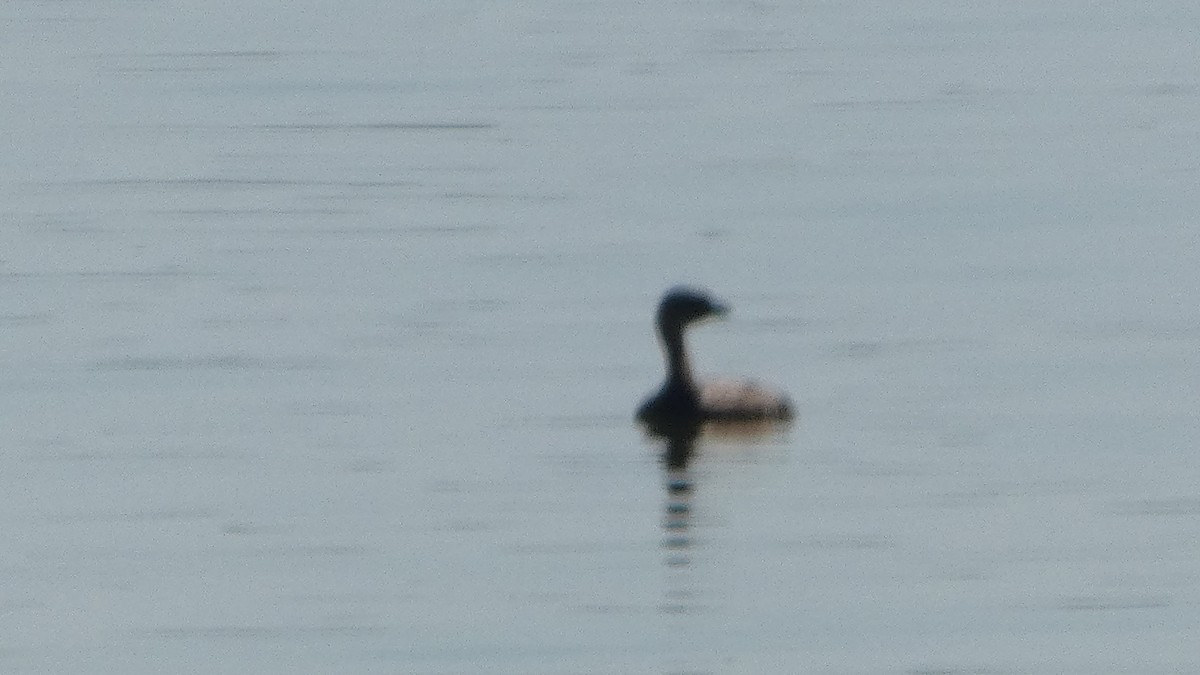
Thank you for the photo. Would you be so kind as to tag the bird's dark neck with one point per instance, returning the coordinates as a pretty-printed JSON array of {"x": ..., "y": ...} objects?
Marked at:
[{"x": 679, "y": 373}]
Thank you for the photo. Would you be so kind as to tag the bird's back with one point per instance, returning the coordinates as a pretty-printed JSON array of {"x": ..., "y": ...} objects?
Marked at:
[{"x": 728, "y": 399}]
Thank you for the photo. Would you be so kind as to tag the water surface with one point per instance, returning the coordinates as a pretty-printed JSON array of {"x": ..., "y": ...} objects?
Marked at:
[{"x": 322, "y": 328}]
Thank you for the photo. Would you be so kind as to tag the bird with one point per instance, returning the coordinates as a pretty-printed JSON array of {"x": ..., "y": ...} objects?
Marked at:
[{"x": 682, "y": 401}]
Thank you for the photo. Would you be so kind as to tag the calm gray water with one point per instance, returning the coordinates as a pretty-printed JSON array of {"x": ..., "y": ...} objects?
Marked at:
[{"x": 322, "y": 326}]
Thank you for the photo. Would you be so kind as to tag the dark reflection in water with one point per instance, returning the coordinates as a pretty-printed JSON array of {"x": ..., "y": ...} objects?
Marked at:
[
  {"x": 681, "y": 441},
  {"x": 680, "y": 445},
  {"x": 679, "y": 448}
]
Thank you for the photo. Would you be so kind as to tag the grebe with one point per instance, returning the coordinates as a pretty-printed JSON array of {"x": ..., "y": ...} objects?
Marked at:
[{"x": 682, "y": 400}]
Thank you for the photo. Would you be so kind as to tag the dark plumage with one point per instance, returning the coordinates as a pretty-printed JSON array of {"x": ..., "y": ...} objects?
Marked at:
[{"x": 682, "y": 400}]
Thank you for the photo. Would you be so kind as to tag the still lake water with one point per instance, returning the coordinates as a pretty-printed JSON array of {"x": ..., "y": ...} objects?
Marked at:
[{"x": 322, "y": 327}]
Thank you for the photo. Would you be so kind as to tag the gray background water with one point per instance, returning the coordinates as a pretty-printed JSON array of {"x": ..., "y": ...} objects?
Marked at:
[{"x": 322, "y": 325}]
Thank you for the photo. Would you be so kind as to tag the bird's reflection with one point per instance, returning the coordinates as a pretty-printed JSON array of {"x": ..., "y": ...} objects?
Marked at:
[
  {"x": 681, "y": 441},
  {"x": 680, "y": 444}
]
